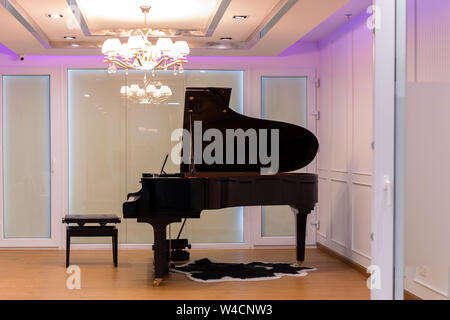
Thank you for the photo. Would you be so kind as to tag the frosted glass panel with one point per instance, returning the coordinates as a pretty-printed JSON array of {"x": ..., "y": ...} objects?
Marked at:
[
  {"x": 96, "y": 145},
  {"x": 224, "y": 79},
  {"x": 283, "y": 99},
  {"x": 225, "y": 225},
  {"x": 26, "y": 156},
  {"x": 425, "y": 171},
  {"x": 114, "y": 140}
]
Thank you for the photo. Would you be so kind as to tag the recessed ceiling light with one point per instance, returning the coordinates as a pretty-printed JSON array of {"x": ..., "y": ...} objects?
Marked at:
[
  {"x": 226, "y": 38},
  {"x": 240, "y": 17},
  {"x": 54, "y": 15},
  {"x": 87, "y": 95},
  {"x": 75, "y": 45},
  {"x": 70, "y": 37}
]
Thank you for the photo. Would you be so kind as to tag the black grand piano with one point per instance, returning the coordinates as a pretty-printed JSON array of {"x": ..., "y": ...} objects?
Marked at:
[{"x": 167, "y": 198}]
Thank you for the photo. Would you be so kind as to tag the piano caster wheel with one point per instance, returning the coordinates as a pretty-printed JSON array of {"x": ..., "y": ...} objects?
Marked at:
[
  {"x": 298, "y": 263},
  {"x": 157, "y": 282}
]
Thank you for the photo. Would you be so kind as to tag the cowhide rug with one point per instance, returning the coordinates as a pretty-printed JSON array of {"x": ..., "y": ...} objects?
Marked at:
[{"x": 205, "y": 270}]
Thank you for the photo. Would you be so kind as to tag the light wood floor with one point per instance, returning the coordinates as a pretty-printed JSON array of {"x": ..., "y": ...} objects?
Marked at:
[{"x": 40, "y": 274}]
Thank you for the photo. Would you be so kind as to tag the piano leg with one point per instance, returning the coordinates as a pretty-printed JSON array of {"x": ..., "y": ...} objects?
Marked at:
[
  {"x": 301, "y": 236},
  {"x": 159, "y": 225}
]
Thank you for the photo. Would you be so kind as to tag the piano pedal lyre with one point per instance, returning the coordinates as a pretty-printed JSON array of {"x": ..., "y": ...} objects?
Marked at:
[
  {"x": 179, "y": 253},
  {"x": 157, "y": 282}
]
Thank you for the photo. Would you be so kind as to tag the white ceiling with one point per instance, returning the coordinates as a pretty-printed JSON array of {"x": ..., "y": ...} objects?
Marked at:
[
  {"x": 173, "y": 14},
  {"x": 340, "y": 17},
  {"x": 25, "y": 28}
]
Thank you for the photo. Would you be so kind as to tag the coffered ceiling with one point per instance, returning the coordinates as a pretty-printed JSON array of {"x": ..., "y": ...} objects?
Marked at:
[{"x": 269, "y": 28}]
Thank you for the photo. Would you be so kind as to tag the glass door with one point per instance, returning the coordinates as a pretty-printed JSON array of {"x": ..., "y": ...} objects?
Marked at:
[
  {"x": 283, "y": 99},
  {"x": 288, "y": 97},
  {"x": 27, "y": 162}
]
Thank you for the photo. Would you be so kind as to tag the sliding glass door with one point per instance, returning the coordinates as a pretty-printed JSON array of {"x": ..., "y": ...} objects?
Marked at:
[
  {"x": 283, "y": 99},
  {"x": 288, "y": 96},
  {"x": 26, "y": 173}
]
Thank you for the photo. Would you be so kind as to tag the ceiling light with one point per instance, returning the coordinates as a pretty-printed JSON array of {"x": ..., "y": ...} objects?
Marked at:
[
  {"x": 240, "y": 17},
  {"x": 75, "y": 45},
  {"x": 54, "y": 15},
  {"x": 139, "y": 53},
  {"x": 70, "y": 37},
  {"x": 226, "y": 38}
]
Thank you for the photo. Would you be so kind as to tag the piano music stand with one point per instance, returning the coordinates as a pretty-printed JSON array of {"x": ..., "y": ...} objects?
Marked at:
[{"x": 102, "y": 230}]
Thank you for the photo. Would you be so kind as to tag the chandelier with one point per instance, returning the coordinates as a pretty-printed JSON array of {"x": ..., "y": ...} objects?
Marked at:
[
  {"x": 149, "y": 93},
  {"x": 139, "y": 53}
]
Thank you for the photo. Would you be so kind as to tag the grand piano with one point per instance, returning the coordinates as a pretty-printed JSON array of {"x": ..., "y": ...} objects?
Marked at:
[{"x": 168, "y": 198}]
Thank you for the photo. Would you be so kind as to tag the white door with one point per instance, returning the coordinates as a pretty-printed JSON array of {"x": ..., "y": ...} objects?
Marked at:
[
  {"x": 29, "y": 183},
  {"x": 288, "y": 96}
]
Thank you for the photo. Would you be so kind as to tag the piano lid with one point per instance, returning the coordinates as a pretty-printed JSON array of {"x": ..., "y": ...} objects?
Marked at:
[{"x": 297, "y": 145}]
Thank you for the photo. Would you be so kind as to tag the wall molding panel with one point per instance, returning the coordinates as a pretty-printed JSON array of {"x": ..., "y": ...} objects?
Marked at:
[{"x": 345, "y": 136}]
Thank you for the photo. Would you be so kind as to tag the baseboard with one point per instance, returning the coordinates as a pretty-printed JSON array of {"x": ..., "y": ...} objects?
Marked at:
[
  {"x": 342, "y": 258},
  {"x": 410, "y": 296},
  {"x": 195, "y": 246},
  {"x": 148, "y": 246}
]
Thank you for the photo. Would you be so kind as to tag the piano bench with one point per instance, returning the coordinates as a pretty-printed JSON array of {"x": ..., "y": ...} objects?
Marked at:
[{"x": 100, "y": 230}]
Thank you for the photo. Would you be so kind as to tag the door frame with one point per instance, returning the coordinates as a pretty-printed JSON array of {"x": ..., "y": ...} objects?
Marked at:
[
  {"x": 55, "y": 153},
  {"x": 400, "y": 114},
  {"x": 383, "y": 196},
  {"x": 256, "y": 80}
]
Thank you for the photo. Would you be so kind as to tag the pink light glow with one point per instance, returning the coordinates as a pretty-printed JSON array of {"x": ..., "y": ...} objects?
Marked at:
[{"x": 4, "y": 50}]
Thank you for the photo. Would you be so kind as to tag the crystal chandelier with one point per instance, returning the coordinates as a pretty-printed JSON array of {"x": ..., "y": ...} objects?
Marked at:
[
  {"x": 149, "y": 93},
  {"x": 139, "y": 53}
]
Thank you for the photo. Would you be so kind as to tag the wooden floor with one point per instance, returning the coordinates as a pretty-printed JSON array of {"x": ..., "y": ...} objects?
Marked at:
[{"x": 40, "y": 274}]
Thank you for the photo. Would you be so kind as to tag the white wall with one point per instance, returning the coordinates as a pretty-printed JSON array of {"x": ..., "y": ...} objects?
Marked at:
[
  {"x": 427, "y": 156},
  {"x": 345, "y": 136}
]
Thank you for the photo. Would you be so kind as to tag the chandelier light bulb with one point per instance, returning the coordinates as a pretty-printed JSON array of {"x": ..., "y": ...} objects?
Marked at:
[
  {"x": 151, "y": 88},
  {"x": 181, "y": 47},
  {"x": 165, "y": 90},
  {"x": 111, "y": 47},
  {"x": 134, "y": 88},
  {"x": 125, "y": 51},
  {"x": 136, "y": 43},
  {"x": 112, "y": 68},
  {"x": 165, "y": 45}
]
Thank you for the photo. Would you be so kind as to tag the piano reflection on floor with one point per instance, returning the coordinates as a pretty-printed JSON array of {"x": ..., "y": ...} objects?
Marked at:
[{"x": 239, "y": 179}]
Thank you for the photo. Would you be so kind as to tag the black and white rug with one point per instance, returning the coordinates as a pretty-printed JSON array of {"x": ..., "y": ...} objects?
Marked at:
[{"x": 205, "y": 270}]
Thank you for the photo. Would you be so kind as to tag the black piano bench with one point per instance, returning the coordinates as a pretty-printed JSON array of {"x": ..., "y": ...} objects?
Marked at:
[{"x": 80, "y": 230}]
